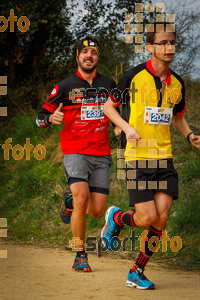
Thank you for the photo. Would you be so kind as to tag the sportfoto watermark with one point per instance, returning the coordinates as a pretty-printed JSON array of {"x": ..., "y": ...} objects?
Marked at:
[
  {"x": 94, "y": 244},
  {"x": 23, "y": 22},
  {"x": 127, "y": 169},
  {"x": 138, "y": 28},
  {"x": 18, "y": 151},
  {"x": 3, "y": 92},
  {"x": 3, "y": 233},
  {"x": 138, "y": 95},
  {"x": 3, "y": 85}
]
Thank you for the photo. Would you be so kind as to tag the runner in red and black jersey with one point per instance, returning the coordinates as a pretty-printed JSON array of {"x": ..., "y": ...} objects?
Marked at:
[{"x": 79, "y": 101}]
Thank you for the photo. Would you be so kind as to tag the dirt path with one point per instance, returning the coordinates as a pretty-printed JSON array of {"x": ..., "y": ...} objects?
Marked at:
[{"x": 32, "y": 272}]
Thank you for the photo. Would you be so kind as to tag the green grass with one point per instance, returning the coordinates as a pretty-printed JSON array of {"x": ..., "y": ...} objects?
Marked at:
[
  {"x": 184, "y": 216},
  {"x": 30, "y": 193},
  {"x": 30, "y": 189}
]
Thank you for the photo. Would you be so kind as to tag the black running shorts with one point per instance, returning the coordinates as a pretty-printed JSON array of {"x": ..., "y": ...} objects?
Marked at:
[{"x": 145, "y": 177}]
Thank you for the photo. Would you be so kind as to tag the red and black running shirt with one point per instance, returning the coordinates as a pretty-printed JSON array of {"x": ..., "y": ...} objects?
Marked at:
[{"x": 85, "y": 126}]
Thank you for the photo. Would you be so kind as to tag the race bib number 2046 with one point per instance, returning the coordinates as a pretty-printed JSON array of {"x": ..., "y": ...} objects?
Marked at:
[
  {"x": 158, "y": 115},
  {"x": 92, "y": 112}
]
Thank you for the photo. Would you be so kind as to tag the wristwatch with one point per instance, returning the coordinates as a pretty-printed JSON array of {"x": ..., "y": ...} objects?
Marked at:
[{"x": 188, "y": 136}]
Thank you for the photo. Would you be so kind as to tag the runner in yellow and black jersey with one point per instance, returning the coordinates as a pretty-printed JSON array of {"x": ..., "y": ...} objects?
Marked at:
[
  {"x": 152, "y": 96},
  {"x": 145, "y": 96}
]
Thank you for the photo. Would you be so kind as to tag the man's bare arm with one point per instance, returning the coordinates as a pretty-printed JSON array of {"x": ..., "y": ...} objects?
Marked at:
[
  {"x": 183, "y": 128},
  {"x": 111, "y": 112}
]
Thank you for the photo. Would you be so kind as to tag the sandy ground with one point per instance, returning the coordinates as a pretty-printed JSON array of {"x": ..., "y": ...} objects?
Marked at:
[{"x": 31, "y": 272}]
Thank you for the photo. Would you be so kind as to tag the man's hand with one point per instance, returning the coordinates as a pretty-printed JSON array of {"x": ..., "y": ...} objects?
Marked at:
[
  {"x": 57, "y": 117},
  {"x": 195, "y": 140},
  {"x": 132, "y": 134},
  {"x": 117, "y": 131}
]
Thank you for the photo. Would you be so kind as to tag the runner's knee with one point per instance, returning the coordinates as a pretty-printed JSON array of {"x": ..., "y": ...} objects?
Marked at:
[
  {"x": 80, "y": 202},
  {"x": 97, "y": 214},
  {"x": 146, "y": 220},
  {"x": 162, "y": 219}
]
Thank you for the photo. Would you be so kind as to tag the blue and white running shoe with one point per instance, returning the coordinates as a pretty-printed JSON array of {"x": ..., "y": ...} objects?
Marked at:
[
  {"x": 111, "y": 230},
  {"x": 138, "y": 279}
]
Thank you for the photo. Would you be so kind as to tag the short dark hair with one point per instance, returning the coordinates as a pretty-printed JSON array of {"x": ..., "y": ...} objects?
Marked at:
[{"x": 151, "y": 35}]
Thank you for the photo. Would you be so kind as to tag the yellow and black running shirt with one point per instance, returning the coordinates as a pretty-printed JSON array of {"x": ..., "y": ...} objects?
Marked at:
[{"x": 140, "y": 91}]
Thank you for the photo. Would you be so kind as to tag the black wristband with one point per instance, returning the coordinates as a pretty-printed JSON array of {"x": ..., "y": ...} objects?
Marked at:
[
  {"x": 46, "y": 120},
  {"x": 188, "y": 136}
]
